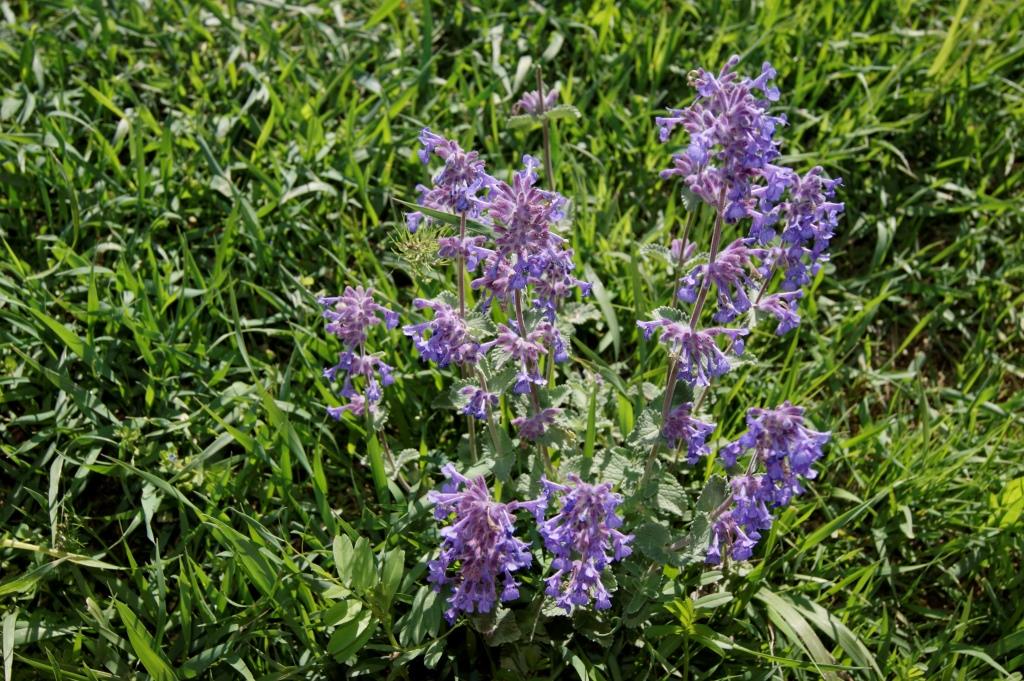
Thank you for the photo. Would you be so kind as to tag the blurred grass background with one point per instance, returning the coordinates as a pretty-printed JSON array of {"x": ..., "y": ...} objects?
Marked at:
[{"x": 181, "y": 179}]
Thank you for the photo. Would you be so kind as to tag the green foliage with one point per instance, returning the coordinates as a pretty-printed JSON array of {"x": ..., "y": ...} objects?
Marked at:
[{"x": 181, "y": 180}]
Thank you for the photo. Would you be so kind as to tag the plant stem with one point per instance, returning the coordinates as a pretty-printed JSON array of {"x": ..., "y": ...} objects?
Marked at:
[
  {"x": 764, "y": 284},
  {"x": 691, "y": 217},
  {"x": 548, "y": 164},
  {"x": 461, "y": 267},
  {"x": 698, "y": 306},
  {"x": 491, "y": 425},
  {"x": 534, "y": 394},
  {"x": 549, "y": 169}
]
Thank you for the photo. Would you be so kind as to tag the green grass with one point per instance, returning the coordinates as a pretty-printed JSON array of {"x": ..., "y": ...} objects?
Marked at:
[{"x": 181, "y": 181}]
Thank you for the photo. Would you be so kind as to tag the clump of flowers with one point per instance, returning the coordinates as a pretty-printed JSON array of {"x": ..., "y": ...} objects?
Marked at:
[
  {"x": 349, "y": 316},
  {"x": 730, "y": 163},
  {"x": 520, "y": 271},
  {"x": 534, "y": 104},
  {"x": 784, "y": 448},
  {"x": 521, "y": 260},
  {"x": 480, "y": 541},
  {"x": 583, "y": 538}
]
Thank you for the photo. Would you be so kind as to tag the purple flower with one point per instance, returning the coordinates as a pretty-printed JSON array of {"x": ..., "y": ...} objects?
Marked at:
[
  {"x": 783, "y": 307},
  {"x": 700, "y": 358},
  {"x": 731, "y": 136},
  {"x": 478, "y": 401},
  {"x": 686, "y": 254},
  {"x": 352, "y": 313},
  {"x": 584, "y": 538},
  {"x": 524, "y": 350},
  {"x": 534, "y": 427},
  {"x": 496, "y": 279},
  {"x": 783, "y": 445},
  {"x": 456, "y": 186},
  {"x": 809, "y": 214},
  {"x": 738, "y": 528},
  {"x": 471, "y": 249},
  {"x": 682, "y": 428},
  {"x": 552, "y": 339},
  {"x": 531, "y": 102},
  {"x": 550, "y": 275},
  {"x": 444, "y": 339},
  {"x": 480, "y": 541},
  {"x": 522, "y": 214},
  {"x": 348, "y": 317},
  {"x": 730, "y": 273}
]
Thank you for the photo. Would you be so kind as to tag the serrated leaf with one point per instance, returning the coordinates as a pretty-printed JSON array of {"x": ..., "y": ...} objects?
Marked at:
[
  {"x": 670, "y": 496},
  {"x": 607, "y": 465},
  {"x": 651, "y": 539},
  {"x": 562, "y": 111},
  {"x": 712, "y": 496},
  {"x": 522, "y": 121},
  {"x": 690, "y": 200},
  {"x": 579, "y": 313},
  {"x": 646, "y": 431},
  {"x": 670, "y": 313},
  {"x": 505, "y": 629},
  {"x": 504, "y": 458}
]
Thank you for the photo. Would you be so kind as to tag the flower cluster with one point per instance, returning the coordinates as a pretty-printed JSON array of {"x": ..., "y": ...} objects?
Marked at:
[
  {"x": 532, "y": 103},
  {"x": 731, "y": 136},
  {"x": 349, "y": 316},
  {"x": 521, "y": 258},
  {"x": 481, "y": 540},
  {"x": 731, "y": 275},
  {"x": 784, "y": 448},
  {"x": 445, "y": 339},
  {"x": 730, "y": 163},
  {"x": 481, "y": 543},
  {"x": 681, "y": 428},
  {"x": 698, "y": 357},
  {"x": 456, "y": 186},
  {"x": 580, "y": 536}
]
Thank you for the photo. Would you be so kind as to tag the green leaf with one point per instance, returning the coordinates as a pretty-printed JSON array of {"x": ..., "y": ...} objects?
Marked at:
[
  {"x": 522, "y": 121},
  {"x": 351, "y": 636},
  {"x": 10, "y": 619},
  {"x": 670, "y": 495},
  {"x": 423, "y": 618},
  {"x": 391, "y": 574},
  {"x": 341, "y": 612},
  {"x": 505, "y": 629},
  {"x": 796, "y": 628},
  {"x": 562, "y": 111},
  {"x": 652, "y": 539},
  {"x": 343, "y": 554},
  {"x": 646, "y": 431},
  {"x": 452, "y": 219},
  {"x": 604, "y": 301},
  {"x": 364, "y": 569},
  {"x": 832, "y": 627},
  {"x": 142, "y": 643},
  {"x": 591, "y": 436},
  {"x": 712, "y": 496}
]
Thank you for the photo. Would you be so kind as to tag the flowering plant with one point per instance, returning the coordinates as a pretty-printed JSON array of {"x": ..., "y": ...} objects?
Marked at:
[{"x": 557, "y": 516}]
